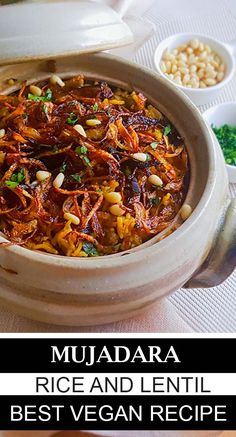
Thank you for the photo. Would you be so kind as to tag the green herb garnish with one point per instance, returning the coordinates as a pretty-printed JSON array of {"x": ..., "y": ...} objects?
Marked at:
[
  {"x": 48, "y": 94},
  {"x": 46, "y": 98},
  {"x": 90, "y": 249},
  {"x": 167, "y": 130},
  {"x": 45, "y": 109},
  {"x": 95, "y": 107},
  {"x": 226, "y": 135},
  {"x": 148, "y": 157},
  {"x": 155, "y": 201},
  {"x": 16, "y": 179},
  {"x": 87, "y": 161},
  {"x": 76, "y": 177},
  {"x": 63, "y": 167},
  {"x": 11, "y": 184},
  {"x": 154, "y": 145},
  {"x": 81, "y": 150},
  {"x": 72, "y": 119}
]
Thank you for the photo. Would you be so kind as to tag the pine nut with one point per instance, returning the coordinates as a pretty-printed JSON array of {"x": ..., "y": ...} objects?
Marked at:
[
  {"x": 201, "y": 73},
  {"x": 41, "y": 175},
  {"x": 174, "y": 68},
  {"x": 222, "y": 67},
  {"x": 58, "y": 181},
  {"x": 155, "y": 180},
  {"x": 72, "y": 218},
  {"x": 186, "y": 79},
  {"x": 140, "y": 156},
  {"x": 210, "y": 81},
  {"x": 220, "y": 76},
  {"x": 208, "y": 48},
  {"x": 56, "y": 80},
  {"x": 189, "y": 50},
  {"x": 193, "y": 68},
  {"x": 212, "y": 74},
  {"x": 201, "y": 47},
  {"x": 163, "y": 67},
  {"x": 184, "y": 70},
  {"x": 35, "y": 90},
  {"x": 201, "y": 65},
  {"x": 177, "y": 73},
  {"x": 80, "y": 130},
  {"x": 11, "y": 82},
  {"x": 185, "y": 211},
  {"x": 203, "y": 56},
  {"x": 178, "y": 80},
  {"x": 194, "y": 43},
  {"x": 181, "y": 64},
  {"x": 195, "y": 59},
  {"x": 2, "y": 133},
  {"x": 93, "y": 122},
  {"x": 113, "y": 197},
  {"x": 168, "y": 67},
  {"x": 116, "y": 210}
]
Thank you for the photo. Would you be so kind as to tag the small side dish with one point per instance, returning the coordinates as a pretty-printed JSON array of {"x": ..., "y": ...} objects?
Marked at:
[
  {"x": 222, "y": 120},
  {"x": 226, "y": 135},
  {"x": 87, "y": 169},
  {"x": 193, "y": 65}
]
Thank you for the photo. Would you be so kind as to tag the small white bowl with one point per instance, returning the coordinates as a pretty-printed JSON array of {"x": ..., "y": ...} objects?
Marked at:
[
  {"x": 226, "y": 52},
  {"x": 219, "y": 115}
]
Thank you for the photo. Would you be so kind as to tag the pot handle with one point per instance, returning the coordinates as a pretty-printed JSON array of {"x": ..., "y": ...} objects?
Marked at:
[{"x": 221, "y": 260}]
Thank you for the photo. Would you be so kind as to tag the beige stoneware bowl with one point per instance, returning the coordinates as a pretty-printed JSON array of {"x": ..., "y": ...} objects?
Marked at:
[{"x": 200, "y": 253}]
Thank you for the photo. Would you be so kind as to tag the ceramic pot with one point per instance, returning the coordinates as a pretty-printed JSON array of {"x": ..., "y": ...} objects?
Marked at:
[{"x": 201, "y": 252}]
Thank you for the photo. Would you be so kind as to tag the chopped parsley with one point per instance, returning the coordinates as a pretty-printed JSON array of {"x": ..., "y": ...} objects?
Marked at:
[
  {"x": 167, "y": 130},
  {"x": 148, "y": 157},
  {"x": 90, "y": 249},
  {"x": 87, "y": 161},
  {"x": 45, "y": 109},
  {"x": 76, "y": 177},
  {"x": 81, "y": 150},
  {"x": 154, "y": 145},
  {"x": 16, "y": 179},
  {"x": 226, "y": 135},
  {"x": 46, "y": 98},
  {"x": 63, "y": 167},
  {"x": 72, "y": 119},
  {"x": 155, "y": 201},
  {"x": 11, "y": 184},
  {"x": 95, "y": 107}
]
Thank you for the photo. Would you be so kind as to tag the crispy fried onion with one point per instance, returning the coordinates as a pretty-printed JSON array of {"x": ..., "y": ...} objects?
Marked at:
[{"x": 75, "y": 167}]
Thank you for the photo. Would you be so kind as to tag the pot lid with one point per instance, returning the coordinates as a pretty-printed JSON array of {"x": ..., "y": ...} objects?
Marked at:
[{"x": 49, "y": 30}]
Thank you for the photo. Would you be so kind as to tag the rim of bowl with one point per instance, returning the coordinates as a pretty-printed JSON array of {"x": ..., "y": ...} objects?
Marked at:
[
  {"x": 226, "y": 79},
  {"x": 219, "y": 107},
  {"x": 119, "y": 259}
]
